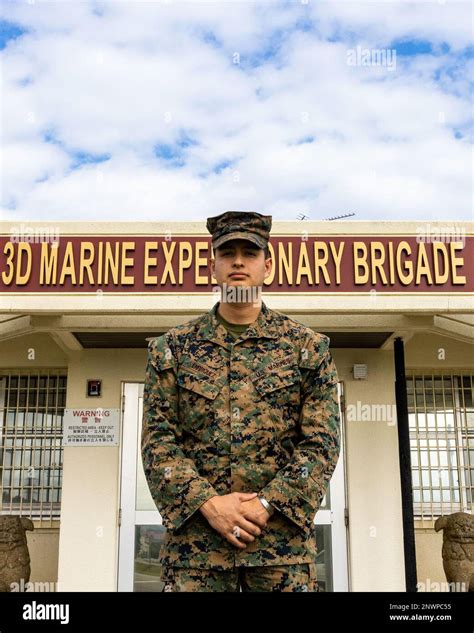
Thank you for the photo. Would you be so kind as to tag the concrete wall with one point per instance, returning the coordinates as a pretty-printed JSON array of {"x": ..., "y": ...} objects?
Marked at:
[
  {"x": 429, "y": 562},
  {"x": 424, "y": 350},
  {"x": 31, "y": 351},
  {"x": 43, "y": 545}
]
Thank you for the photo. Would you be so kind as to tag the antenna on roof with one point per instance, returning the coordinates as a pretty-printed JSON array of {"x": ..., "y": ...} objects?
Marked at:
[
  {"x": 302, "y": 216},
  {"x": 339, "y": 217}
]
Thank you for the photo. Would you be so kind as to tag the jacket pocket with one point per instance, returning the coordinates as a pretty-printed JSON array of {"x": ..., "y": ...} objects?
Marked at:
[
  {"x": 197, "y": 396},
  {"x": 273, "y": 382},
  {"x": 278, "y": 395},
  {"x": 198, "y": 384}
]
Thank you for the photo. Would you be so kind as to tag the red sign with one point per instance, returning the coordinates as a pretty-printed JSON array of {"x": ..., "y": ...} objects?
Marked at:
[{"x": 315, "y": 264}]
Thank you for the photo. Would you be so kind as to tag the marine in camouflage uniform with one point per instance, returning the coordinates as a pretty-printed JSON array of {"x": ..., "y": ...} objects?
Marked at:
[{"x": 251, "y": 411}]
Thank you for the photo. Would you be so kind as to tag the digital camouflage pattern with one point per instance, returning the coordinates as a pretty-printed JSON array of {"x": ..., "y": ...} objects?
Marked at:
[
  {"x": 246, "y": 225},
  {"x": 254, "y": 414},
  {"x": 301, "y": 577}
]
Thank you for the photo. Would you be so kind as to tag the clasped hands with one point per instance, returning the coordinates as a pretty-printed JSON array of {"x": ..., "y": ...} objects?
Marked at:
[{"x": 239, "y": 516}]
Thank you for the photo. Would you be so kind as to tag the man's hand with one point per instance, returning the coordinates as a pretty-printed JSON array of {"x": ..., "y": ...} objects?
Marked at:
[
  {"x": 256, "y": 513},
  {"x": 232, "y": 515}
]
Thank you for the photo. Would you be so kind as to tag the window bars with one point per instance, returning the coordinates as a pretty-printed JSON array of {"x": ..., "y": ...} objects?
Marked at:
[
  {"x": 441, "y": 420},
  {"x": 31, "y": 455}
]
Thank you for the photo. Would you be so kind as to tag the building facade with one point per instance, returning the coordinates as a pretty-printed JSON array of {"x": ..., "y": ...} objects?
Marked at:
[{"x": 77, "y": 304}]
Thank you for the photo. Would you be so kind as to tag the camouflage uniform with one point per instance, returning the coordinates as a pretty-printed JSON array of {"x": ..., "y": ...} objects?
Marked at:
[
  {"x": 253, "y": 414},
  {"x": 274, "y": 578}
]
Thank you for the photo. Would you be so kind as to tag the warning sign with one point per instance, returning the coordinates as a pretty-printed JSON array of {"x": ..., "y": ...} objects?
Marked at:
[{"x": 91, "y": 427}]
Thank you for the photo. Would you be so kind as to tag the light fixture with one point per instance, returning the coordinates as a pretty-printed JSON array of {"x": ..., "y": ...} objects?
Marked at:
[{"x": 360, "y": 372}]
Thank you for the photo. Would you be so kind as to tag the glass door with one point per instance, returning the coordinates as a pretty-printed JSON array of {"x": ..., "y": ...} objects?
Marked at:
[
  {"x": 141, "y": 529},
  {"x": 330, "y": 525}
]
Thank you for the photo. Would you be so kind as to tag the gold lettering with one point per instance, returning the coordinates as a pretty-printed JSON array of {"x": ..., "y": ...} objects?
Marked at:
[
  {"x": 99, "y": 263},
  {"x": 422, "y": 265},
  {"x": 150, "y": 261},
  {"x": 285, "y": 260},
  {"x": 337, "y": 255},
  {"x": 404, "y": 279},
  {"x": 201, "y": 280},
  {"x": 9, "y": 250},
  {"x": 303, "y": 266},
  {"x": 23, "y": 249},
  {"x": 68, "y": 265},
  {"x": 439, "y": 247},
  {"x": 168, "y": 270},
  {"x": 321, "y": 262},
  {"x": 271, "y": 276},
  {"x": 377, "y": 262},
  {"x": 86, "y": 262},
  {"x": 455, "y": 262},
  {"x": 127, "y": 280},
  {"x": 184, "y": 263},
  {"x": 360, "y": 261},
  {"x": 111, "y": 263},
  {"x": 391, "y": 263},
  {"x": 48, "y": 264}
]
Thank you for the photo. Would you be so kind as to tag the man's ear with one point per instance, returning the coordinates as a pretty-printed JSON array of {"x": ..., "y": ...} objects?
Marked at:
[
  {"x": 269, "y": 271},
  {"x": 212, "y": 263}
]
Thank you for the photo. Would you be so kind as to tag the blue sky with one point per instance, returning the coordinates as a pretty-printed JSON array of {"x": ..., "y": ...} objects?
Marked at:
[
  {"x": 165, "y": 111},
  {"x": 9, "y": 31}
]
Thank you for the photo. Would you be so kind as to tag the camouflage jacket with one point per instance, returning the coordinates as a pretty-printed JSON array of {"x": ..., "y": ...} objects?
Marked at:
[{"x": 254, "y": 414}]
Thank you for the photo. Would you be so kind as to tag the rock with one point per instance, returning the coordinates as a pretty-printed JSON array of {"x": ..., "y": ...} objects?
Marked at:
[
  {"x": 14, "y": 555},
  {"x": 458, "y": 548}
]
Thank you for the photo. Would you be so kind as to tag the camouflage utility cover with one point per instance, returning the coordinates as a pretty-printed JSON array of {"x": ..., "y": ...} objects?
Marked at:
[{"x": 246, "y": 225}]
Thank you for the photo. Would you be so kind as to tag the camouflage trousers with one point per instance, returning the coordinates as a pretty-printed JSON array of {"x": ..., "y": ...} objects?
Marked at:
[{"x": 296, "y": 577}]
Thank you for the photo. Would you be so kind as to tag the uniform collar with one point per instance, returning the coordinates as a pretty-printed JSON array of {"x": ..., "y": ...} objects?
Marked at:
[{"x": 263, "y": 327}]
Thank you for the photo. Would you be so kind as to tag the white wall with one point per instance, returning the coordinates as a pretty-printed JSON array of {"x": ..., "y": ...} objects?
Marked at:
[
  {"x": 89, "y": 516},
  {"x": 374, "y": 496}
]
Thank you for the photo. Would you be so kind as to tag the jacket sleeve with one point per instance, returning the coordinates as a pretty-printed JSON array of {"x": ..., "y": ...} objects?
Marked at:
[
  {"x": 298, "y": 489},
  {"x": 176, "y": 486}
]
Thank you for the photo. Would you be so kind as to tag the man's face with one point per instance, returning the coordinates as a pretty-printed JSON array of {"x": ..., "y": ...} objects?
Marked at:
[{"x": 243, "y": 257}]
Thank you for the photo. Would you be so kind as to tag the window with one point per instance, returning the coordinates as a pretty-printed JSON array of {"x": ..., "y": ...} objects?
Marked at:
[
  {"x": 31, "y": 454},
  {"x": 441, "y": 419}
]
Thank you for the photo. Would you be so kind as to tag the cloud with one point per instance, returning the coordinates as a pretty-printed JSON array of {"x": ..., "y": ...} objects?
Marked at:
[{"x": 166, "y": 111}]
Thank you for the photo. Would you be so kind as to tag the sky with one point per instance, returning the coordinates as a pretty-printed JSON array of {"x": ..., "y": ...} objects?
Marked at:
[{"x": 172, "y": 110}]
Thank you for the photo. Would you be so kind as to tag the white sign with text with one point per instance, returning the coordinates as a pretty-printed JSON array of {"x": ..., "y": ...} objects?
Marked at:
[{"x": 91, "y": 427}]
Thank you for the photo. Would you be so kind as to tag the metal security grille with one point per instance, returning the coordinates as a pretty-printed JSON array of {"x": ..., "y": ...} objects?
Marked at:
[
  {"x": 31, "y": 454},
  {"x": 441, "y": 418}
]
